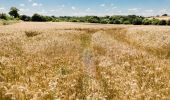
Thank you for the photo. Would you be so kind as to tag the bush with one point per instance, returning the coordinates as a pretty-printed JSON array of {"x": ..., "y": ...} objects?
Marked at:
[
  {"x": 25, "y": 18},
  {"x": 110, "y": 22},
  {"x": 93, "y": 19},
  {"x": 41, "y": 18},
  {"x": 8, "y": 22},
  {"x": 162, "y": 22},
  {"x": 116, "y": 21},
  {"x": 137, "y": 21},
  {"x": 47, "y": 18},
  {"x": 3, "y": 16},
  {"x": 155, "y": 21},
  {"x": 104, "y": 21},
  {"x": 165, "y": 15},
  {"x": 168, "y": 22},
  {"x": 5, "y": 22},
  {"x": 38, "y": 18},
  {"x": 74, "y": 20},
  {"x": 146, "y": 22},
  {"x": 126, "y": 22}
]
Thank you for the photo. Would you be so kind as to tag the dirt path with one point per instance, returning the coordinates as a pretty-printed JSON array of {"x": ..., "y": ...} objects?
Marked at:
[
  {"x": 96, "y": 50},
  {"x": 97, "y": 59}
]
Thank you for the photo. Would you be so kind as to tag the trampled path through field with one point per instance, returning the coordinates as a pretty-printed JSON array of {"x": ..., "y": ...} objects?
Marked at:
[{"x": 109, "y": 40}]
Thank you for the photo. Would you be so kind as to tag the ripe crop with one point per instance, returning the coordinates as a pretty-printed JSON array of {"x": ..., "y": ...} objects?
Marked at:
[{"x": 41, "y": 61}]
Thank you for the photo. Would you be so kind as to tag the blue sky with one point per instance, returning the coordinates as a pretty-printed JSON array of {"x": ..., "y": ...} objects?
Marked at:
[{"x": 88, "y": 7}]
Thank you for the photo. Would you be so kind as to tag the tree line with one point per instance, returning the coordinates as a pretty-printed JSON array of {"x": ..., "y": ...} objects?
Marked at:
[{"x": 129, "y": 19}]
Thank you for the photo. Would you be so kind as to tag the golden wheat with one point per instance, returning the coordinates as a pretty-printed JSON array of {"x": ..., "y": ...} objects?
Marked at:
[{"x": 49, "y": 61}]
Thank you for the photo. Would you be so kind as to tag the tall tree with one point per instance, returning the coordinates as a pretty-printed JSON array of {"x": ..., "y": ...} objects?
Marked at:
[{"x": 14, "y": 12}]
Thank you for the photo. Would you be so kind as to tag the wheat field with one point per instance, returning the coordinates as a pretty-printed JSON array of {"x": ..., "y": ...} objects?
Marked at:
[{"x": 76, "y": 61}]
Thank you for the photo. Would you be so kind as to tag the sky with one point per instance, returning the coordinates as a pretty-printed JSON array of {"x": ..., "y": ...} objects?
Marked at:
[{"x": 87, "y": 7}]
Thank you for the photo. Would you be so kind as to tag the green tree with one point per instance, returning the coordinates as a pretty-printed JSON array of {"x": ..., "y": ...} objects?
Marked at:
[
  {"x": 165, "y": 15},
  {"x": 25, "y": 18},
  {"x": 38, "y": 18},
  {"x": 162, "y": 22},
  {"x": 14, "y": 12},
  {"x": 93, "y": 19}
]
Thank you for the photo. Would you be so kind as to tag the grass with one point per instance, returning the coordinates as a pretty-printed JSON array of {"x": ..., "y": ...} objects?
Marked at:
[
  {"x": 8, "y": 22},
  {"x": 48, "y": 61}
]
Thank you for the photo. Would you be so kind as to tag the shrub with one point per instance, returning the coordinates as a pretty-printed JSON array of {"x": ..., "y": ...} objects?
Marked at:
[
  {"x": 104, "y": 21},
  {"x": 56, "y": 20},
  {"x": 126, "y": 22},
  {"x": 137, "y": 21},
  {"x": 74, "y": 20},
  {"x": 168, "y": 22},
  {"x": 25, "y": 18},
  {"x": 146, "y": 22},
  {"x": 93, "y": 19},
  {"x": 165, "y": 15},
  {"x": 155, "y": 21},
  {"x": 162, "y": 22},
  {"x": 110, "y": 22},
  {"x": 40, "y": 18},
  {"x": 116, "y": 21},
  {"x": 5, "y": 22},
  {"x": 3, "y": 16},
  {"x": 8, "y": 22},
  {"x": 47, "y": 18},
  {"x": 133, "y": 18}
]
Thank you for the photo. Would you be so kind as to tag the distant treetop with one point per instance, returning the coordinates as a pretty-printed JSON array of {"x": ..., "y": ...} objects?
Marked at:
[{"x": 165, "y": 15}]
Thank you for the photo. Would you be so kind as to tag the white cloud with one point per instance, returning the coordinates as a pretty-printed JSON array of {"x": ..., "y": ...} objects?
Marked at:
[
  {"x": 162, "y": 11},
  {"x": 88, "y": 9},
  {"x": 2, "y": 8},
  {"x": 106, "y": 9},
  {"x": 63, "y": 6},
  {"x": 30, "y": 0},
  {"x": 149, "y": 11},
  {"x": 52, "y": 10},
  {"x": 36, "y": 4},
  {"x": 73, "y": 8},
  {"x": 119, "y": 11},
  {"x": 114, "y": 7},
  {"x": 40, "y": 4},
  {"x": 22, "y": 5},
  {"x": 43, "y": 11},
  {"x": 111, "y": 4},
  {"x": 134, "y": 9},
  {"x": 102, "y": 5},
  {"x": 24, "y": 10}
]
